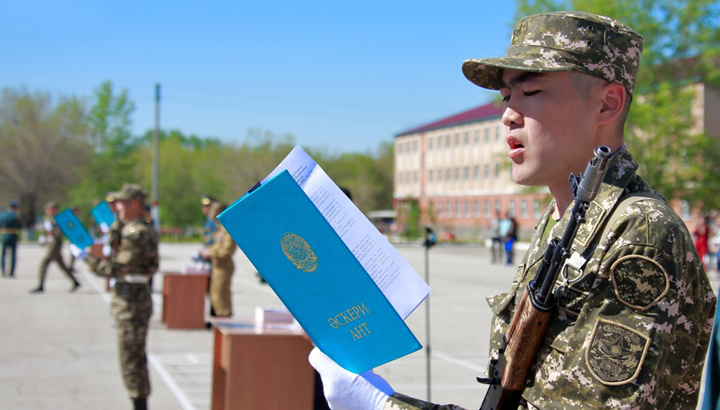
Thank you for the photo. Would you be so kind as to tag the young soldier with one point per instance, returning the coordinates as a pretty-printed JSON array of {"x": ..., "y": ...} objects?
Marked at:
[
  {"x": 132, "y": 262},
  {"x": 633, "y": 331}
]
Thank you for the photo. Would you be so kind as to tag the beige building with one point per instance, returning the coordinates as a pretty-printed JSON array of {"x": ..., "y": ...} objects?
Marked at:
[
  {"x": 456, "y": 171},
  {"x": 456, "y": 174}
]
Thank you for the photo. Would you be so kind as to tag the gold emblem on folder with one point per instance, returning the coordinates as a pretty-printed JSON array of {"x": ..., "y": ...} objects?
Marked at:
[{"x": 297, "y": 250}]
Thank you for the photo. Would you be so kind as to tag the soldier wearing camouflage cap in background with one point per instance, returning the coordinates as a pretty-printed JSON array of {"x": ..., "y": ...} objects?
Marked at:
[
  {"x": 54, "y": 238},
  {"x": 633, "y": 331},
  {"x": 222, "y": 266},
  {"x": 132, "y": 262}
]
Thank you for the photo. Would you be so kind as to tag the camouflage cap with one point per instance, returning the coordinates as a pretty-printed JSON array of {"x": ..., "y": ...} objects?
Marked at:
[
  {"x": 207, "y": 200},
  {"x": 51, "y": 204},
  {"x": 130, "y": 191},
  {"x": 110, "y": 197},
  {"x": 563, "y": 41}
]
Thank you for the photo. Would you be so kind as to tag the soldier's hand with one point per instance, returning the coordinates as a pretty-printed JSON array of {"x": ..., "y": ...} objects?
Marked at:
[
  {"x": 349, "y": 391},
  {"x": 77, "y": 252}
]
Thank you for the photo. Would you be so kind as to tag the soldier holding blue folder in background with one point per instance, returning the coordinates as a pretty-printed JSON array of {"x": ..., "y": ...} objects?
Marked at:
[
  {"x": 132, "y": 262},
  {"x": 54, "y": 247}
]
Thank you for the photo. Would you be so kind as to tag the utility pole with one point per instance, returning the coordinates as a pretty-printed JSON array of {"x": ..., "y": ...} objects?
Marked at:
[
  {"x": 155, "y": 209},
  {"x": 429, "y": 243}
]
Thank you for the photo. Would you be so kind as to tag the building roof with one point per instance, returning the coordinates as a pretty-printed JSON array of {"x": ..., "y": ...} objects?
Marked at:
[{"x": 481, "y": 113}]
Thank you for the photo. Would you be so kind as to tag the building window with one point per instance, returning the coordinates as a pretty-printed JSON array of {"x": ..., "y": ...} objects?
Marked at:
[
  {"x": 486, "y": 171},
  {"x": 536, "y": 209},
  {"x": 457, "y": 209},
  {"x": 497, "y": 205},
  {"x": 439, "y": 175},
  {"x": 457, "y": 174},
  {"x": 430, "y": 176},
  {"x": 447, "y": 175},
  {"x": 467, "y": 138},
  {"x": 487, "y": 135},
  {"x": 439, "y": 207},
  {"x": 511, "y": 208},
  {"x": 497, "y": 134},
  {"x": 415, "y": 177},
  {"x": 467, "y": 209},
  {"x": 477, "y": 137},
  {"x": 430, "y": 143},
  {"x": 487, "y": 209},
  {"x": 449, "y": 209},
  {"x": 476, "y": 172},
  {"x": 476, "y": 209},
  {"x": 466, "y": 173},
  {"x": 523, "y": 209},
  {"x": 447, "y": 140},
  {"x": 497, "y": 171}
]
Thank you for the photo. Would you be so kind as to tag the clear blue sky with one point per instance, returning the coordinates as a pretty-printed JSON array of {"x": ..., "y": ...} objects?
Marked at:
[{"x": 344, "y": 75}]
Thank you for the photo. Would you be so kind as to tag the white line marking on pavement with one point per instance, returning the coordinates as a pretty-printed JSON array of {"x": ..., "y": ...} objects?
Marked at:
[
  {"x": 91, "y": 280},
  {"x": 459, "y": 362},
  {"x": 193, "y": 358},
  {"x": 170, "y": 383}
]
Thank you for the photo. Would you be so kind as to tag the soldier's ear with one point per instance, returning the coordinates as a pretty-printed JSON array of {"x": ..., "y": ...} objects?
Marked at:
[{"x": 612, "y": 97}]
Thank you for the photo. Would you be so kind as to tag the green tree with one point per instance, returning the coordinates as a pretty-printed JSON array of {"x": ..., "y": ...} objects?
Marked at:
[
  {"x": 44, "y": 145},
  {"x": 112, "y": 163},
  {"x": 681, "y": 49}
]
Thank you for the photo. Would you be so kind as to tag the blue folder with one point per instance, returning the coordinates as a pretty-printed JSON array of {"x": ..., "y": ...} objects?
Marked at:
[
  {"x": 102, "y": 214},
  {"x": 73, "y": 229},
  {"x": 316, "y": 276}
]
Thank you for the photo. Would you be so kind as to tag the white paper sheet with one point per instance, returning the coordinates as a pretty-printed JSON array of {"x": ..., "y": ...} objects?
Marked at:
[{"x": 399, "y": 282}]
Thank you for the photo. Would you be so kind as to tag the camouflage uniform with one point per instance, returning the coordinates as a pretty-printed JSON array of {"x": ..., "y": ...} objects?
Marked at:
[
  {"x": 633, "y": 331},
  {"x": 133, "y": 261},
  {"x": 53, "y": 253}
]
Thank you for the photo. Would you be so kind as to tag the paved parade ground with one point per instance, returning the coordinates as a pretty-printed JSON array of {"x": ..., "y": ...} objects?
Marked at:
[{"x": 58, "y": 349}]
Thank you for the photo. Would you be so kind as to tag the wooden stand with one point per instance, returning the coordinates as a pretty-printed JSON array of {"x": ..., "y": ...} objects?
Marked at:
[
  {"x": 260, "y": 369},
  {"x": 184, "y": 300}
]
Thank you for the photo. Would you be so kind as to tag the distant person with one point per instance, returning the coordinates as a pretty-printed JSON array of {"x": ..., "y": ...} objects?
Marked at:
[
  {"x": 504, "y": 227},
  {"x": 209, "y": 228},
  {"x": 132, "y": 262},
  {"x": 54, "y": 238},
  {"x": 701, "y": 236},
  {"x": 510, "y": 239},
  {"x": 497, "y": 240},
  {"x": 10, "y": 232},
  {"x": 220, "y": 255}
]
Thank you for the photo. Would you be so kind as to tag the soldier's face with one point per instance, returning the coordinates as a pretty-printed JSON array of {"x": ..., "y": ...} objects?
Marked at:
[
  {"x": 128, "y": 209},
  {"x": 549, "y": 134}
]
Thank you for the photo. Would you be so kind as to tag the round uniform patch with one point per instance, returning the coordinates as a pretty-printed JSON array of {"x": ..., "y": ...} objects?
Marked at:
[
  {"x": 616, "y": 353},
  {"x": 639, "y": 281}
]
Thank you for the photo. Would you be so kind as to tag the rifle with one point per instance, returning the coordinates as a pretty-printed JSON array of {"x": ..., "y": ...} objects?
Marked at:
[{"x": 532, "y": 316}]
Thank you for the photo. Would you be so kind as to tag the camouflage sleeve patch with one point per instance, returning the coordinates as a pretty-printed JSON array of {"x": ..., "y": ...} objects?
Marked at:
[
  {"x": 402, "y": 402},
  {"x": 639, "y": 281},
  {"x": 615, "y": 353}
]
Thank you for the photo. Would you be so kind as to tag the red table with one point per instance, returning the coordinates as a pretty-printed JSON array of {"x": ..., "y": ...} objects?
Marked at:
[{"x": 184, "y": 300}]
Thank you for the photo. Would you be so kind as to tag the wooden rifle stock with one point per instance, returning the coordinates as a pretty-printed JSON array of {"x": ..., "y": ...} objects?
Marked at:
[
  {"x": 522, "y": 342},
  {"x": 532, "y": 316}
]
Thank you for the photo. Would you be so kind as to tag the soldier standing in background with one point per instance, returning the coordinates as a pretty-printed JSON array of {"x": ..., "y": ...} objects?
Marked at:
[
  {"x": 54, "y": 246},
  {"x": 9, "y": 231},
  {"x": 132, "y": 262},
  {"x": 222, "y": 266},
  {"x": 208, "y": 231}
]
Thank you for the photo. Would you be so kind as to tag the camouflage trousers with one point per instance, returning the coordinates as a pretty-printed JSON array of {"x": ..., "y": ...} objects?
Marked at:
[
  {"x": 53, "y": 255},
  {"x": 132, "y": 307}
]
